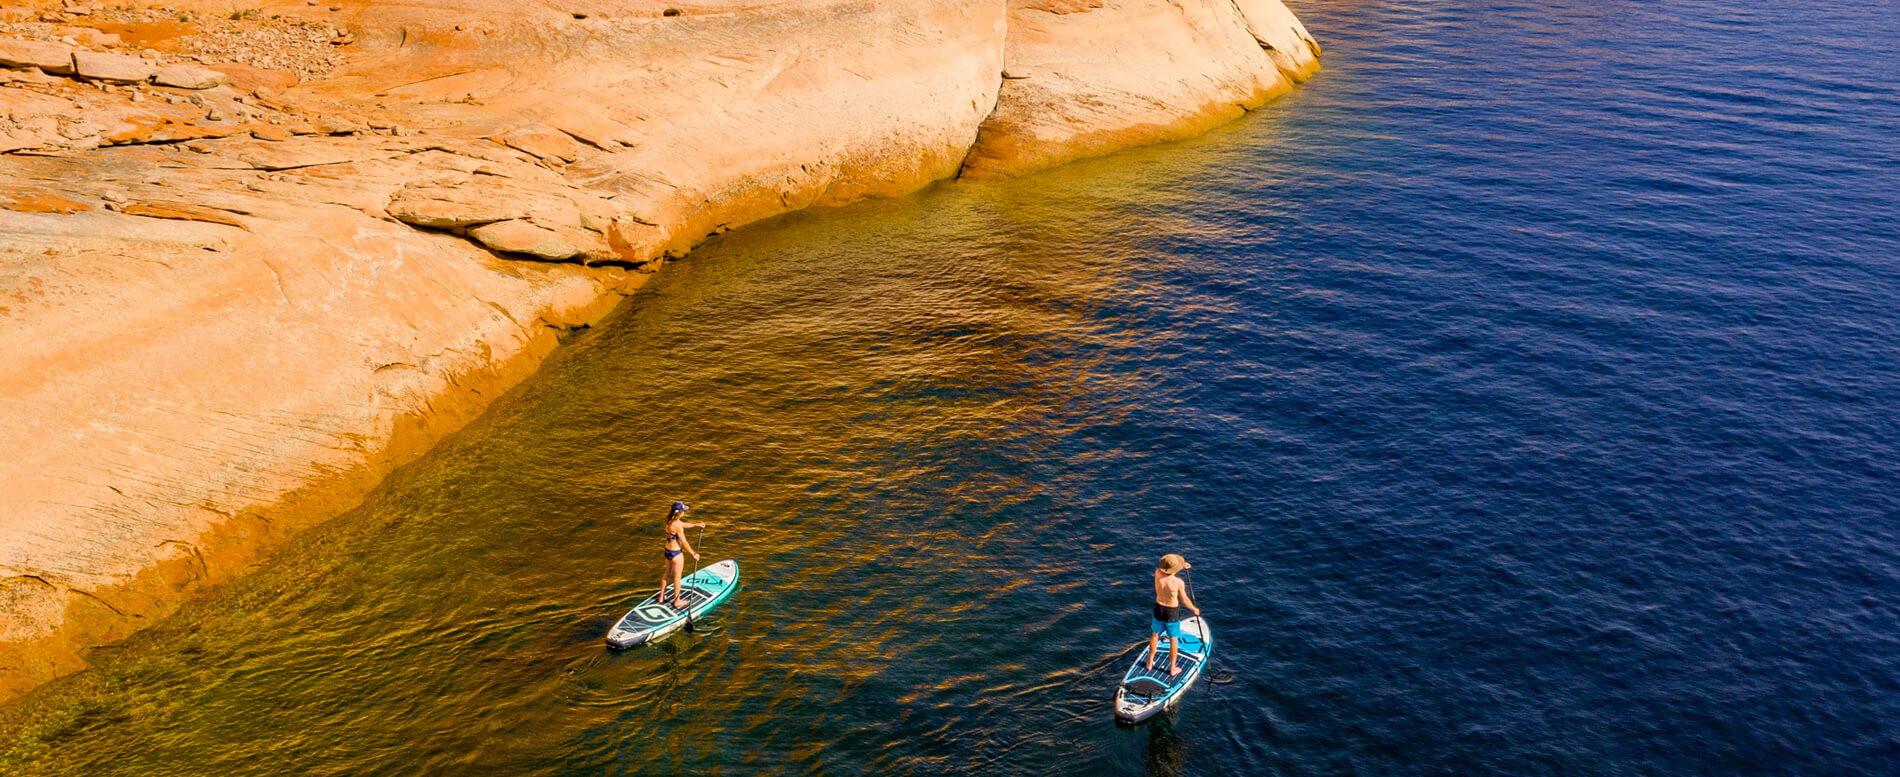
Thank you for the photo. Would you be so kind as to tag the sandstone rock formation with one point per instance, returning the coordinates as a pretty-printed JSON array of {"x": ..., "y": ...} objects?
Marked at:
[
  {"x": 1084, "y": 78},
  {"x": 252, "y": 259}
]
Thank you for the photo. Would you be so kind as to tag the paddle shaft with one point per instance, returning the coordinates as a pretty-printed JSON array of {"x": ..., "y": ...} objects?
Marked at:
[
  {"x": 1192, "y": 598},
  {"x": 701, "y": 547},
  {"x": 1211, "y": 677},
  {"x": 1190, "y": 586}
]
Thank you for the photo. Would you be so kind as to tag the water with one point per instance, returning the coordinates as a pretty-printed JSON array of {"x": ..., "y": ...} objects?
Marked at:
[{"x": 1521, "y": 389}]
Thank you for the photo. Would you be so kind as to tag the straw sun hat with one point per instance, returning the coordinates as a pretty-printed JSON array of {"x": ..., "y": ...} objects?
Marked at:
[{"x": 1172, "y": 563}]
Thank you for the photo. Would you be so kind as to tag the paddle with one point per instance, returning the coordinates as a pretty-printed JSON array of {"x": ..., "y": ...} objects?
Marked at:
[
  {"x": 699, "y": 546},
  {"x": 1224, "y": 676},
  {"x": 1189, "y": 579}
]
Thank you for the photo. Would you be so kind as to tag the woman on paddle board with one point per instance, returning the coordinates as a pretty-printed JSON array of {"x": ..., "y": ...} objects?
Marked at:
[
  {"x": 1170, "y": 596},
  {"x": 676, "y": 548}
]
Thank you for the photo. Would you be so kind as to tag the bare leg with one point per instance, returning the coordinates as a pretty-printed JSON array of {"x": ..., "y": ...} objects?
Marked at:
[
  {"x": 679, "y": 571},
  {"x": 1174, "y": 655},
  {"x": 1153, "y": 641}
]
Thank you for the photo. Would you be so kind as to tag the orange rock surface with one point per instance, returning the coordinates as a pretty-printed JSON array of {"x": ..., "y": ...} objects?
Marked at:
[{"x": 227, "y": 312}]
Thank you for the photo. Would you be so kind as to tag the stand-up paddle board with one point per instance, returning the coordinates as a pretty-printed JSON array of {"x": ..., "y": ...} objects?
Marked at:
[
  {"x": 1145, "y": 692},
  {"x": 656, "y": 618}
]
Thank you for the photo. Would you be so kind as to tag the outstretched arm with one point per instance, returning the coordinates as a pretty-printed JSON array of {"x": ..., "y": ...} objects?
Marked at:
[
  {"x": 687, "y": 544},
  {"x": 1189, "y": 601}
]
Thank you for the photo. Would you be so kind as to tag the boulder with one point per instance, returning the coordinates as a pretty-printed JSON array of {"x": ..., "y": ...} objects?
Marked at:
[
  {"x": 112, "y": 68},
  {"x": 188, "y": 77},
  {"x": 50, "y": 57},
  {"x": 520, "y": 237}
]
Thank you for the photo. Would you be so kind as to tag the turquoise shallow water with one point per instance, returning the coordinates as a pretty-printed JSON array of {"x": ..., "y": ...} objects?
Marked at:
[{"x": 1521, "y": 388}]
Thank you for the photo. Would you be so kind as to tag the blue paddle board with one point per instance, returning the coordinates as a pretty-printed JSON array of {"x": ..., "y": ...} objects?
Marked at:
[{"x": 1145, "y": 692}]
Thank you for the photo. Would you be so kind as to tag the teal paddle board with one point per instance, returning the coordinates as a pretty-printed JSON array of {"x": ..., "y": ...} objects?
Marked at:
[{"x": 656, "y": 618}]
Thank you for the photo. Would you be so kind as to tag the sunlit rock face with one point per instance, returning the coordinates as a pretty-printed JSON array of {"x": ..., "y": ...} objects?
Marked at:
[
  {"x": 253, "y": 259},
  {"x": 1085, "y": 78}
]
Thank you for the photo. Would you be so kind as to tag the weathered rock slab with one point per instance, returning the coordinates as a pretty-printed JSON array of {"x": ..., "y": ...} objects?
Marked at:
[
  {"x": 184, "y": 76},
  {"x": 112, "y": 68},
  {"x": 181, "y": 211},
  {"x": 53, "y": 58},
  {"x": 542, "y": 142},
  {"x": 521, "y": 237},
  {"x": 451, "y": 214}
]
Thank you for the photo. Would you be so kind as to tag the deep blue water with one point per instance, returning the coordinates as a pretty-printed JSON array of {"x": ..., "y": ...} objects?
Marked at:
[
  {"x": 1576, "y": 449},
  {"x": 1521, "y": 388},
  {"x": 1574, "y": 446}
]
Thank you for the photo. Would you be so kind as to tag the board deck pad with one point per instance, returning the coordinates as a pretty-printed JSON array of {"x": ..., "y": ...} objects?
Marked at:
[
  {"x": 656, "y": 617},
  {"x": 1156, "y": 683}
]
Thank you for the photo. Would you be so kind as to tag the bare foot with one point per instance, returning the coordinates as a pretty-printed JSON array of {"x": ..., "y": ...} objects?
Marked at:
[
  {"x": 1174, "y": 671},
  {"x": 1151, "y": 663},
  {"x": 677, "y": 605}
]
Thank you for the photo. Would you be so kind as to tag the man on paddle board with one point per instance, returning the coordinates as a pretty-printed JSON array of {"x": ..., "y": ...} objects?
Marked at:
[
  {"x": 1170, "y": 596},
  {"x": 675, "y": 548}
]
